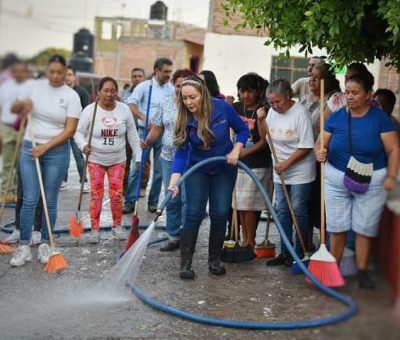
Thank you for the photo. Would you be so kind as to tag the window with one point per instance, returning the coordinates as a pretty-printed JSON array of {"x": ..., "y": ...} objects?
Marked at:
[
  {"x": 291, "y": 68},
  {"x": 106, "y": 30}
]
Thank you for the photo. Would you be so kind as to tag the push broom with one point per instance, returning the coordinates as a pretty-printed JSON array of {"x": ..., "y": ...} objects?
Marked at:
[
  {"x": 75, "y": 223},
  {"x": 295, "y": 267},
  {"x": 56, "y": 261},
  {"x": 322, "y": 264},
  {"x": 4, "y": 247}
]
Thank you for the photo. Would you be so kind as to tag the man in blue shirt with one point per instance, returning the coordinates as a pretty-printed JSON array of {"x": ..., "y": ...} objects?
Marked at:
[{"x": 137, "y": 102}]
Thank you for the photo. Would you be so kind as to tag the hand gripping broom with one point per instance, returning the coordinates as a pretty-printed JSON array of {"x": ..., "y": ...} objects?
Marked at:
[
  {"x": 322, "y": 264},
  {"x": 56, "y": 261},
  {"x": 75, "y": 223},
  {"x": 295, "y": 267},
  {"x": 4, "y": 247}
]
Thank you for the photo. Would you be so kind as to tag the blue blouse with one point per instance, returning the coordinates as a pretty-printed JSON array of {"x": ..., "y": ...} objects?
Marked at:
[{"x": 223, "y": 117}]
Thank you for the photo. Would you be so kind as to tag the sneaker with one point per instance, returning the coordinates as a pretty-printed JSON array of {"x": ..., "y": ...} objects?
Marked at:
[
  {"x": 128, "y": 208},
  {"x": 171, "y": 245},
  {"x": 280, "y": 260},
  {"x": 22, "y": 255},
  {"x": 43, "y": 253},
  {"x": 64, "y": 186},
  {"x": 13, "y": 238},
  {"x": 119, "y": 233},
  {"x": 152, "y": 207},
  {"x": 86, "y": 188},
  {"x": 364, "y": 280},
  {"x": 94, "y": 236},
  {"x": 36, "y": 238}
]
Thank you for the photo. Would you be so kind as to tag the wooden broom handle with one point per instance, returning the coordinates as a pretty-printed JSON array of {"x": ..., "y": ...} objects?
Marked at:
[
  {"x": 322, "y": 164},
  {"x": 289, "y": 203},
  {"x": 87, "y": 157},
  {"x": 234, "y": 216}
]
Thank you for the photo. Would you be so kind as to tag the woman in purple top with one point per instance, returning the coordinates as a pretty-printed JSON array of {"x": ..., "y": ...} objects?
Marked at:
[{"x": 202, "y": 131}]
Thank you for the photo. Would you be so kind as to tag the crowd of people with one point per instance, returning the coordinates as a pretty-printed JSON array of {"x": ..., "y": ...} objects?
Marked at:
[{"x": 183, "y": 119}]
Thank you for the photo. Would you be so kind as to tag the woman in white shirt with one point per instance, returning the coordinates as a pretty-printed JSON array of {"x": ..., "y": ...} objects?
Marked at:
[
  {"x": 107, "y": 152},
  {"x": 291, "y": 130},
  {"x": 54, "y": 110}
]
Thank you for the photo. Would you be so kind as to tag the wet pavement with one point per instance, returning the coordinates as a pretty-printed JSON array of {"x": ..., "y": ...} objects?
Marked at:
[{"x": 69, "y": 305}]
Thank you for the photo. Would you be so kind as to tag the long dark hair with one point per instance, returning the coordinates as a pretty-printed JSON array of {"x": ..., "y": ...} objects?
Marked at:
[{"x": 211, "y": 82}]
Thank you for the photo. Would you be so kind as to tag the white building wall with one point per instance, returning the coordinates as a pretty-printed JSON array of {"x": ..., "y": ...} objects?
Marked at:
[{"x": 231, "y": 56}]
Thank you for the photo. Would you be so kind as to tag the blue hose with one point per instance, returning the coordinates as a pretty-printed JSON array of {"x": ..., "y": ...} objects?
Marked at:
[{"x": 351, "y": 310}]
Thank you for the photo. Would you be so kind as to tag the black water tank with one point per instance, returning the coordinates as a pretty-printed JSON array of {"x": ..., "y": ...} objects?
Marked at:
[
  {"x": 81, "y": 62},
  {"x": 158, "y": 11},
  {"x": 84, "y": 43}
]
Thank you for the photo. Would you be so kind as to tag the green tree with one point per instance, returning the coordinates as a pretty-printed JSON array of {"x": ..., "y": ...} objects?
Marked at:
[
  {"x": 350, "y": 30},
  {"x": 42, "y": 58}
]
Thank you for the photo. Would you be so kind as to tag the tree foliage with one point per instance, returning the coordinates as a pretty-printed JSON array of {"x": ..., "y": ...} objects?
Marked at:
[
  {"x": 42, "y": 58},
  {"x": 350, "y": 30}
]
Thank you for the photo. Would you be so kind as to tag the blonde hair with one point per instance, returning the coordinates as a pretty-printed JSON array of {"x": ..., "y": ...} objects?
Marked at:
[{"x": 203, "y": 131}]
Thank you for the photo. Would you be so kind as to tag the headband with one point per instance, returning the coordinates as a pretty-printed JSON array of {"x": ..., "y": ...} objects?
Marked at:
[{"x": 191, "y": 82}]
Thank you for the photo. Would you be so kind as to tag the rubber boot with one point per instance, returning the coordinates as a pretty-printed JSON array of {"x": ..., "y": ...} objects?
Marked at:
[
  {"x": 188, "y": 240},
  {"x": 215, "y": 243}
]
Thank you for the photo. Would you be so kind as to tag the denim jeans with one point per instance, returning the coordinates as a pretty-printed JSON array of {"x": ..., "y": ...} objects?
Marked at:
[
  {"x": 299, "y": 196},
  {"x": 175, "y": 206},
  {"x": 131, "y": 194},
  {"x": 215, "y": 188},
  {"x": 79, "y": 160},
  {"x": 54, "y": 165}
]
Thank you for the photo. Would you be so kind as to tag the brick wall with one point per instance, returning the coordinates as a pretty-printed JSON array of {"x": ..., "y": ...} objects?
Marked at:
[{"x": 217, "y": 18}]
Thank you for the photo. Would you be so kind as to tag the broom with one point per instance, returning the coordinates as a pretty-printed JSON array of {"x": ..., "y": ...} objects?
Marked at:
[
  {"x": 56, "y": 261},
  {"x": 232, "y": 252},
  {"x": 75, "y": 223},
  {"x": 322, "y": 264},
  {"x": 295, "y": 267},
  {"x": 266, "y": 249},
  {"x": 4, "y": 247}
]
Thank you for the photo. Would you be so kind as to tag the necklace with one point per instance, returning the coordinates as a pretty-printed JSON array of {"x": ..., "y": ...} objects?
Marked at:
[{"x": 245, "y": 112}]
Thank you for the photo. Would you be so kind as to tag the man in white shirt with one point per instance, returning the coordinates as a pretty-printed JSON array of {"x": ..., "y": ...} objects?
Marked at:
[
  {"x": 137, "y": 101},
  {"x": 10, "y": 91},
  {"x": 300, "y": 86}
]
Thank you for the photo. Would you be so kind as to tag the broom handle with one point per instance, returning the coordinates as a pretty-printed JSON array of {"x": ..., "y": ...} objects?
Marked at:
[
  {"x": 234, "y": 216},
  {"x": 87, "y": 159},
  {"x": 13, "y": 165},
  {"x": 322, "y": 164},
  {"x": 46, "y": 211},
  {"x": 289, "y": 203},
  {"x": 271, "y": 192}
]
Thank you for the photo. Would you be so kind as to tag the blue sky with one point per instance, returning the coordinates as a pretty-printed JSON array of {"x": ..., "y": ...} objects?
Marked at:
[{"x": 28, "y": 26}]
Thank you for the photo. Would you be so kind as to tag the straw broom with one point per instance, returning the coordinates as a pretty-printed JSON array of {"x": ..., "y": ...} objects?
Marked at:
[
  {"x": 75, "y": 223},
  {"x": 4, "y": 247},
  {"x": 322, "y": 264},
  {"x": 56, "y": 261}
]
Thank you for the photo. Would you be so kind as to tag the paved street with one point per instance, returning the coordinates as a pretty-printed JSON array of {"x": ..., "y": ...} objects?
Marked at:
[{"x": 69, "y": 305}]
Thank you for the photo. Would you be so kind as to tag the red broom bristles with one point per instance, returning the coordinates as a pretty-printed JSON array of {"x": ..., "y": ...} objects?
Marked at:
[
  {"x": 75, "y": 227},
  {"x": 6, "y": 248},
  {"x": 56, "y": 263}
]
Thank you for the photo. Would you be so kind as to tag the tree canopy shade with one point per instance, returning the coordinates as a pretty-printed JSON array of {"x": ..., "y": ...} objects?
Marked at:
[
  {"x": 350, "y": 30},
  {"x": 42, "y": 58}
]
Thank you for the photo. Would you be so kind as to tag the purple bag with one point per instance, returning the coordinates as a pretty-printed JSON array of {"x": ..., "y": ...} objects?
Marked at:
[{"x": 358, "y": 175}]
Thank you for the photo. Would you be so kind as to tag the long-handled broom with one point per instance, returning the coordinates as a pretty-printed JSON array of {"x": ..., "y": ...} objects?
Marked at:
[
  {"x": 322, "y": 264},
  {"x": 56, "y": 261},
  {"x": 75, "y": 222},
  {"x": 266, "y": 249},
  {"x": 295, "y": 268},
  {"x": 4, "y": 247}
]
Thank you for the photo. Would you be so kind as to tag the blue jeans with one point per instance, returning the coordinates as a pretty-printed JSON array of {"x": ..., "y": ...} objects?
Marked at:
[
  {"x": 54, "y": 165},
  {"x": 299, "y": 196},
  {"x": 131, "y": 193},
  {"x": 174, "y": 206},
  {"x": 215, "y": 188},
  {"x": 79, "y": 160}
]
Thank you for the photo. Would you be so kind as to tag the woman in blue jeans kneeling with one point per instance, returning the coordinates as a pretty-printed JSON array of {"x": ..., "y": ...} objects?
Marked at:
[
  {"x": 54, "y": 110},
  {"x": 202, "y": 130},
  {"x": 291, "y": 131}
]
